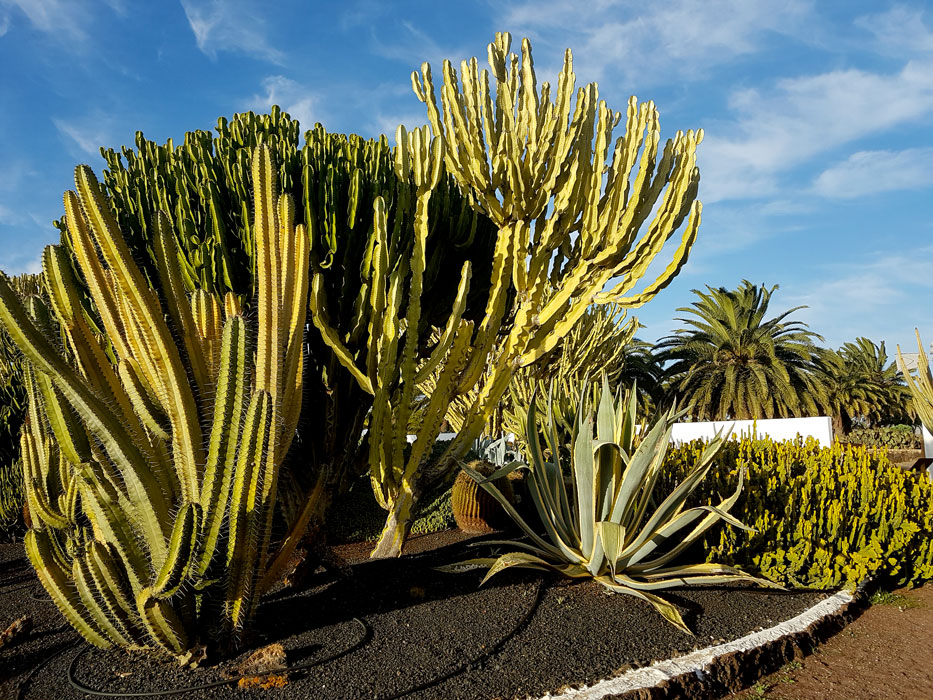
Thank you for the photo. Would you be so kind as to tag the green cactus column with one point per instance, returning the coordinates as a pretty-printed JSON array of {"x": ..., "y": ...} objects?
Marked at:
[{"x": 153, "y": 498}]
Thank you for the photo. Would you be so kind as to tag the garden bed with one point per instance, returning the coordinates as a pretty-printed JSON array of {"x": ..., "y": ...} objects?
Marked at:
[{"x": 399, "y": 628}]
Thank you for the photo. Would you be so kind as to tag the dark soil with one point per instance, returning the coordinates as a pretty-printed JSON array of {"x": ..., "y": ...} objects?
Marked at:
[{"x": 401, "y": 629}]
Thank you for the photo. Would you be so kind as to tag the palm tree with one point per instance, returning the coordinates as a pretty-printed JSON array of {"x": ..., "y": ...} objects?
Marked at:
[
  {"x": 863, "y": 386},
  {"x": 732, "y": 363}
]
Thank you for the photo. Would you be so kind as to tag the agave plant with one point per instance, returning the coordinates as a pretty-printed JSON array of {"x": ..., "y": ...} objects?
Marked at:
[{"x": 606, "y": 526}]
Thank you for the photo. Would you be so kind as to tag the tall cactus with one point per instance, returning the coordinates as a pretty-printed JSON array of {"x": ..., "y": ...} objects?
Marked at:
[
  {"x": 568, "y": 215},
  {"x": 151, "y": 493},
  {"x": 393, "y": 359},
  {"x": 12, "y": 415},
  {"x": 204, "y": 183}
]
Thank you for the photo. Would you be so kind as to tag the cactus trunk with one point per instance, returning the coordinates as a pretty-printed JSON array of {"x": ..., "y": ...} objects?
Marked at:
[{"x": 397, "y": 525}]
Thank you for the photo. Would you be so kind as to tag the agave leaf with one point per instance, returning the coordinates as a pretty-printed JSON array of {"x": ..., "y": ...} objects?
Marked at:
[
  {"x": 705, "y": 573},
  {"x": 608, "y": 473},
  {"x": 671, "y": 505},
  {"x": 605, "y": 414},
  {"x": 667, "y": 610},
  {"x": 458, "y": 567},
  {"x": 522, "y": 560},
  {"x": 585, "y": 484},
  {"x": 560, "y": 533},
  {"x": 634, "y": 475},
  {"x": 681, "y": 521},
  {"x": 612, "y": 536},
  {"x": 560, "y": 488},
  {"x": 550, "y": 511},
  {"x": 504, "y": 471}
]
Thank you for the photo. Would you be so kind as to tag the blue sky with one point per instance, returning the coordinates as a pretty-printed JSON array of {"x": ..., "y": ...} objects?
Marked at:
[{"x": 817, "y": 167}]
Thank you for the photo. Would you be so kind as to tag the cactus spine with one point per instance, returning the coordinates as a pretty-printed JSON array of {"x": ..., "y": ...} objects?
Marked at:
[{"x": 124, "y": 450}]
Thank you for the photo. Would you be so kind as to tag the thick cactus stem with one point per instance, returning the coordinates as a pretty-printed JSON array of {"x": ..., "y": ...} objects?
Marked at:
[{"x": 397, "y": 527}]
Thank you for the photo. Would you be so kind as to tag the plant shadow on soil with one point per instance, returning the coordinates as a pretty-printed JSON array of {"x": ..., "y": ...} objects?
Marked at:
[{"x": 400, "y": 628}]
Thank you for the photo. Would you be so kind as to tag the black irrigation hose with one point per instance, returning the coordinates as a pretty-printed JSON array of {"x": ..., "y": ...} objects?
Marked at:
[
  {"x": 464, "y": 665},
  {"x": 81, "y": 688},
  {"x": 24, "y": 683}
]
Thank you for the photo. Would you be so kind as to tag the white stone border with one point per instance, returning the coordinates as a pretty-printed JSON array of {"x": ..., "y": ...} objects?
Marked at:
[{"x": 698, "y": 662}]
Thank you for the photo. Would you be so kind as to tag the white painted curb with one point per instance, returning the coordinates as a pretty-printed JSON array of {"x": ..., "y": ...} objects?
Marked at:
[{"x": 698, "y": 662}]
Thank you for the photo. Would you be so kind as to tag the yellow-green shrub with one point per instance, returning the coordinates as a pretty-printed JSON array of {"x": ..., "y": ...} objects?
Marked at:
[{"x": 825, "y": 517}]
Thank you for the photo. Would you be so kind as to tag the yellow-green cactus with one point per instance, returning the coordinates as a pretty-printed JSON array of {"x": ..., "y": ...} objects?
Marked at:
[
  {"x": 570, "y": 218},
  {"x": 177, "y": 479}
]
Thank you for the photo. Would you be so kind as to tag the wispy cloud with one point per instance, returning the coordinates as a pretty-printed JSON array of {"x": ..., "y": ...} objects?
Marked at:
[
  {"x": 874, "y": 294},
  {"x": 87, "y": 133},
  {"x": 652, "y": 42},
  {"x": 900, "y": 31},
  {"x": 291, "y": 96},
  {"x": 800, "y": 118},
  {"x": 413, "y": 46},
  {"x": 230, "y": 25},
  {"x": 67, "y": 19},
  {"x": 387, "y": 123},
  {"x": 872, "y": 172}
]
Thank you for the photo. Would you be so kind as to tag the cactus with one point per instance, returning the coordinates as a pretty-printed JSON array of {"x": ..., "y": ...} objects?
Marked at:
[
  {"x": 598, "y": 343},
  {"x": 474, "y": 510},
  {"x": 567, "y": 220},
  {"x": 151, "y": 493},
  {"x": 12, "y": 414},
  {"x": 203, "y": 185}
]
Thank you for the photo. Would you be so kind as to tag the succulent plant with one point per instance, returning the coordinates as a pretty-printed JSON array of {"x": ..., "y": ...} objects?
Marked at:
[
  {"x": 607, "y": 526},
  {"x": 151, "y": 449},
  {"x": 569, "y": 217}
]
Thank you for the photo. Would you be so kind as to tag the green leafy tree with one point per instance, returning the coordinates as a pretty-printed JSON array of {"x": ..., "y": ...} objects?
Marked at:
[
  {"x": 732, "y": 362},
  {"x": 863, "y": 386}
]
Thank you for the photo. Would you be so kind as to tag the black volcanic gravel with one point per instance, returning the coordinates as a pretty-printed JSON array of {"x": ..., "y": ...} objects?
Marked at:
[{"x": 401, "y": 629}]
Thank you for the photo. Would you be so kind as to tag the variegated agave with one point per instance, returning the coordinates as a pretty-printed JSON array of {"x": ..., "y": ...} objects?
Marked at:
[{"x": 606, "y": 525}]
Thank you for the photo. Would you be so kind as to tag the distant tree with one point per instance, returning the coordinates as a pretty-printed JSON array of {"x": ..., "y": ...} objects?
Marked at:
[
  {"x": 642, "y": 369},
  {"x": 732, "y": 362},
  {"x": 864, "y": 387}
]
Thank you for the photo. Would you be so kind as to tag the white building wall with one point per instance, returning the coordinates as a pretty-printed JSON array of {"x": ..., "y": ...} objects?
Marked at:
[{"x": 777, "y": 429}]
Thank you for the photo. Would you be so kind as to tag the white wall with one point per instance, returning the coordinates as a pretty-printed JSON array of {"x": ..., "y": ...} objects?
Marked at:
[{"x": 777, "y": 429}]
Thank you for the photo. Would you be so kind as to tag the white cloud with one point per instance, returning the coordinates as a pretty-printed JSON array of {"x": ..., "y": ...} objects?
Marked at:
[
  {"x": 413, "y": 46},
  {"x": 288, "y": 94},
  {"x": 874, "y": 296},
  {"x": 88, "y": 134},
  {"x": 4, "y": 24},
  {"x": 65, "y": 18},
  {"x": 800, "y": 118},
  {"x": 652, "y": 42},
  {"x": 900, "y": 31},
  {"x": 870, "y": 172},
  {"x": 233, "y": 25}
]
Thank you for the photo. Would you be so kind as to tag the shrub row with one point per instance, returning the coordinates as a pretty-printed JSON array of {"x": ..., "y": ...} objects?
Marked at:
[
  {"x": 895, "y": 437},
  {"x": 825, "y": 517}
]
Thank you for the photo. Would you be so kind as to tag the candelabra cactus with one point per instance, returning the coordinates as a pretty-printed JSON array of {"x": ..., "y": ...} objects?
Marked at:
[
  {"x": 150, "y": 492},
  {"x": 568, "y": 216}
]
